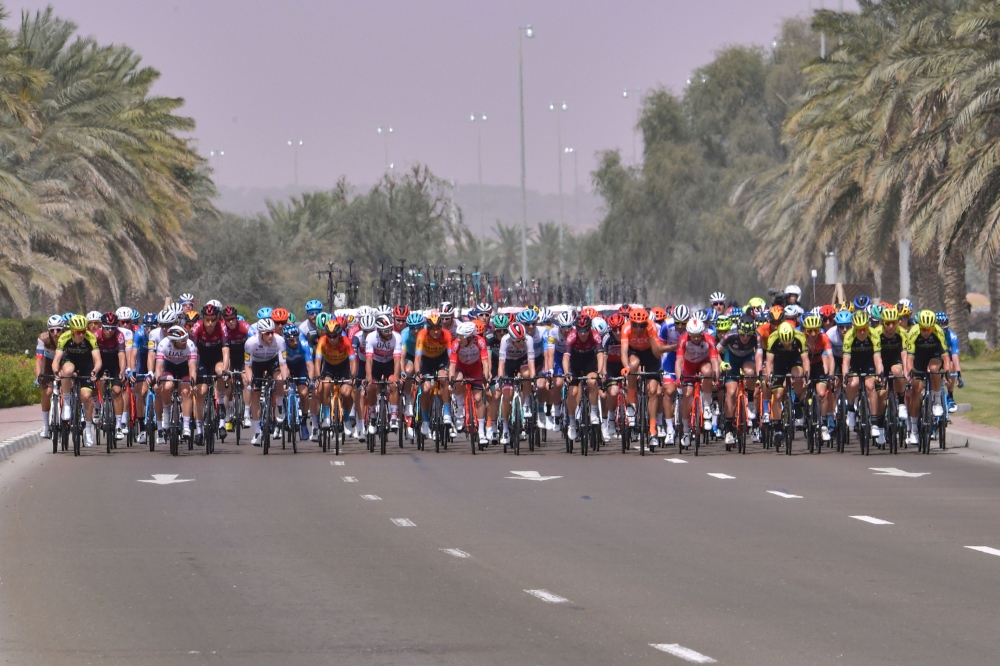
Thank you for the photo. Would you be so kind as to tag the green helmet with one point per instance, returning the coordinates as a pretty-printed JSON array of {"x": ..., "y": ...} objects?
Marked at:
[
  {"x": 501, "y": 322},
  {"x": 321, "y": 319},
  {"x": 723, "y": 324}
]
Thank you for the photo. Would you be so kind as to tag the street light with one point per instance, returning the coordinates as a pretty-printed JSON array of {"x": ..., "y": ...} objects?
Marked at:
[
  {"x": 214, "y": 156},
  {"x": 295, "y": 147},
  {"x": 560, "y": 110},
  {"x": 529, "y": 32},
  {"x": 576, "y": 187},
  {"x": 384, "y": 133},
  {"x": 479, "y": 147},
  {"x": 635, "y": 92}
]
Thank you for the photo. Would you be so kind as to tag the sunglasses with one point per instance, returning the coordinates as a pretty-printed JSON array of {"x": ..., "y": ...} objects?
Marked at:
[{"x": 56, "y": 330}]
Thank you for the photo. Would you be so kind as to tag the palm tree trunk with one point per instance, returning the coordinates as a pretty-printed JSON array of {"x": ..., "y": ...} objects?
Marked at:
[
  {"x": 890, "y": 274},
  {"x": 994, "y": 326},
  {"x": 956, "y": 303},
  {"x": 925, "y": 279}
]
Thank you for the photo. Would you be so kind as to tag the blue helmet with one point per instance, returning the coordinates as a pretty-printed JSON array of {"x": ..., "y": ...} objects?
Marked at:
[
  {"x": 149, "y": 319},
  {"x": 240, "y": 317},
  {"x": 843, "y": 318},
  {"x": 314, "y": 307},
  {"x": 711, "y": 315},
  {"x": 527, "y": 316},
  {"x": 942, "y": 318},
  {"x": 415, "y": 320},
  {"x": 66, "y": 317},
  {"x": 862, "y": 302},
  {"x": 736, "y": 313},
  {"x": 290, "y": 331},
  {"x": 264, "y": 313}
]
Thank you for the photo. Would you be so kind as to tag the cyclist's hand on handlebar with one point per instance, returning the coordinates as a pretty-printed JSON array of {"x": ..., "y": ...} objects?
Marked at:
[
  {"x": 961, "y": 383},
  {"x": 725, "y": 367},
  {"x": 625, "y": 371}
]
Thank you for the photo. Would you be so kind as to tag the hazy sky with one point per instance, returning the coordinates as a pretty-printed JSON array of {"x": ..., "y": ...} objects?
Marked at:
[{"x": 256, "y": 74}]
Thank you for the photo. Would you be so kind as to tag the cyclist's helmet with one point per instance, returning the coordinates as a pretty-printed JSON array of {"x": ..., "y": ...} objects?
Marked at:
[
  {"x": 447, "y": 309},
  {"x": 527, "y": 316},
  {"x": 77, "y": 323},
  {"x": 942, "y": 318},
  {"x": 616, "y": 321},
  {"x": 264, "y": 313},
  {"x": 711, "y": 316},
  {"x": 776, "y": 313},
  {"x": 176, "y": 308},
  {"x": 480, "y": 326},
  {"x": 215, "y": 302},
  {"x": 926, "y": 319},
  {"x": 812, "y": 322},
  {"x": 638, "y": 316},
  {"x": 600, "y": 327},
  {"x": 93, "y": 315},
  {"x": 363, "y": 310},
  {"x": 517, "y": 331},
  {"x": 564, "y": 319},
  {"x": 792, "y": 311},
  {"x": 66, "y": 317},
  {"x": 367, "y": 323},
  {"x": 860, "y": 319},
  {"x": 314, "y": 307},
  {"x": 149, "y": 319},
  {"x": 383, "y": 310},
  {"x": 875, "y": 312},
  {"x": 828, "y": 312},
  {"x": 905, "y": 302},
  {"x": 717, "y": 297},
  {"x": 842, "y": 318},
  {"x": 890, "y": 315},
  {"x": 484, "y": 307},
  {"x": 124, "y": 313},
  {"x": 229, "y": 312},
  {"x": 625, "y": 308},
  {"x": 401, "y": 312},
  {"x": 210, "y": 310},
  {"x": 415, "y": 320},
  {"x": 383, "y": 323},
  {"x": 55, "y": 321},
  {"x": 192, "y": 317},
  {"x": 695, "y": 327},
  {"x": 332, "y": 327},
  {"x": 786, "y": 333},
  {"x": 186, "y": 298},
  {"x": 501, "y": 322},
  {"x": 659, "y": 315},
  {"x": 681, "y": 314},
  {"x": 433, "y": 320},
  {"x": 861, "y": 302},
  {"x": 109, "y": 319},
  {"x": 280, "y": 316},
  {"x": 265, "y": 326},
  {"x": 736, "y": 312},
  {"x": 466, "y": 329},
  {"x": 756, "y": 302},
  {"x": 723, "y": 324},
  {"x": 167, "y": 318},
  {"x": 584, "y": 323},
  {"x": 290, "y": 331},
  {"x": 591, "y": 312},
  {"x": 177, "y": 333},
  {"x": 746, "y": 327}
]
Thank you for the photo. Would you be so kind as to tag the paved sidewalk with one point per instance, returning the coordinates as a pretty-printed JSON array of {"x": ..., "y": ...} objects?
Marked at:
[
  {"x": 981, "y": 438},
  {"x": 18, "y": 420}
]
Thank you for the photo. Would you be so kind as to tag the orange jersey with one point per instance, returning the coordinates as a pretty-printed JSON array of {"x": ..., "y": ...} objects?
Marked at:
[
  {"x": 430, "y": 346},
  {"x": 334, "y": 352},
  {"x": 639, "y": 340}
]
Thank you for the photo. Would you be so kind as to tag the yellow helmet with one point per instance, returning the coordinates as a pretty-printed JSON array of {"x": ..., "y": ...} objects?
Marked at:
[
  {"x": 860, "y": 319},
  {"x": 786, "y": 333},
  {"x": 890, "y": 315},
  {"x": 433, "y": 320},
  {"x": 926, "y": 319},
  {"x": 812, "y": 321},
  {"x": 77, "y": 323}
]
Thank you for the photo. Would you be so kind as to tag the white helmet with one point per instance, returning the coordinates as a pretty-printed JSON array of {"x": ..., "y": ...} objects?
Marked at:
[
  {"x": 166, "y": 318},
  {"x": 544, "y": 315},
  {"x": 367, "y": 322},
  {"x": 177, "y": 334},
  {"x": 792, "y": 311},
  {"x": 175, "y": 308},
  {"x": 216, "y": 303},
  {"x": 564, "y": 319},
  {"x": 383, "y": 322},
  {"x": 124, "y": 314},
  {"x": 265, "y": 326},
  {"x": 93, "y": 315},
  {"x": 186, "y": 298},
  {"x": 794, "y": 289},
  {"x": 364, "y": 310},
  {"x": 695, "y": 327},
  {"x": 717, "y": 297},
  {"x": 55, "y": 321},
  {"x": 600, "y": 326},
  {"x": 466, "y": 329},
  {"x": 447, "y": 309},
  {"x": 383, "y": 310}
]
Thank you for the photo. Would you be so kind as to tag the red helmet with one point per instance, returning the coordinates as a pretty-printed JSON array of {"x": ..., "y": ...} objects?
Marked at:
[
  {"x": 659, "y": 315},
  {"x": 229, "y": 312},
  {"x": 517, "y": 331},
  {"x": 279, "y": 315},
  {"x": 401, "y": 312},
  {"x": 109, "y": 319},
  {"x": 625, "y": 308},
  {"x": 590, "y": 312},
  {"x": 828, "y": 312},
  {"x": 616, "y": 320},
  {"x": 210, "y": 311},
  {"x": 638, "y": 316},
  {"x": 583, "y": 323}
]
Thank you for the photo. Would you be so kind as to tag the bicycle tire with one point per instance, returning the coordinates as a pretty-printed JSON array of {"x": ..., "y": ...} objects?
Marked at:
[
  {"x": 864, "y": 422},
  {"x": 383, "y": 423},
  {"x": 642, "y": 421},
  {"x": 265, "y": 422},
  {"x": 942, "y": 430},
  {"x": 208, "y": 422}
]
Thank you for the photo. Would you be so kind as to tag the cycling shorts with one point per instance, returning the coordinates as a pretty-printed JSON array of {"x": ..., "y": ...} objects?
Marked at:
[
  {"x": 299, "y": 372},
  {"x": 338, "y": 371},
  {"x": 735, "y": 368},
  {"x": 689, "y": 369},
  {"x": 582, "y": 364},
  {"x": 920, "y": 362},
  {"x": 175, "y": 371},
  {"x": 382, "y": 370},
  {"x": 473, "y": 371},
  {"x": 431, "y": 365},
  {"x": 261, "y": 369},
  {"x": 648, "y": 362}
]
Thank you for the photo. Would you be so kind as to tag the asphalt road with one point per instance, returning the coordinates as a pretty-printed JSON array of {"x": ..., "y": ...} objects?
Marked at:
[{"x": 280, "y": 559}]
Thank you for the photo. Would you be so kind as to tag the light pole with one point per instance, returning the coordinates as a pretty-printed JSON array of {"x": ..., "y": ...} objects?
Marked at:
[
  {"x": 562, "y": 221},
  {"x": 528, "y": 32},
  {"x": 635, "y": 92},
  {"x": 479, "y": 147},
  {"x": 295, "y": 147},
  {"x": 215, "y": 156},
  {"x": 384, "y": 132},
  {"x": 576, "y": 187}
]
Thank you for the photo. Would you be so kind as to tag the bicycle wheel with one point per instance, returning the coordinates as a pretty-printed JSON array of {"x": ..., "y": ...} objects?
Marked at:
[
  {"x": 642, "y": 421},
  {"x": 924, "y": 425},
  {"x": 621, "y": 419},
  {"x": 942, "y": 430},
  {"x": 151, "y": 427},
  {"x": 892, "y": 422},
  {"x": 436, "y": 407},
  {"x": 265, "y": 422},
  {"x": 864, "y": 423},
  {"x": 383, "y": 423},
  {"x": 208, "y": 423}
]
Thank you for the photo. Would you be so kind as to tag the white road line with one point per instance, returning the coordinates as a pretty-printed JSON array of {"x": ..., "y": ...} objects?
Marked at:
[
  {"x": 336, "y": 462},
  {"x": 895, "y": 471},
  {"x": 785, "y": 495},
  {"x": 720, "y": 475},
  {"x": 985, "y": 549},
  {"x": 675, "y": 460},
  {"x": 371, "y": 497},
  {"x": 350, "y": 479},
  {"x": 873, "y": 521},
  {"x": 403, "y": 522},
  {"x": 547, "y": 596},
  {"x": 687, "y": 654},
  {"x": 456, "y": 552}
]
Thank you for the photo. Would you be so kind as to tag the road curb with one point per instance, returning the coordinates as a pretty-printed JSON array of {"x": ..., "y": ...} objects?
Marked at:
[
  {"x": 12, "y": 445},
  {"x": 972, "y": 440}
]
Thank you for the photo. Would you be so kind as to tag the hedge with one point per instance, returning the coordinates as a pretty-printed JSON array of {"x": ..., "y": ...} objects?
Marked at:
[
  {"x": 17, "y": 335},
  {"x": 17, "y": 381}
]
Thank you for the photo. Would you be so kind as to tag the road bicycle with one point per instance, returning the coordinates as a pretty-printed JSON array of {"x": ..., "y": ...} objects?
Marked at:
[
  {"x": 381, "y": 416},
  {"x": 107, "y": 414},
  {"x": 697, "y": 431},
  {"x": 335, "y": 412},
  {"x": 72, "y": 428},
  {"x": 210, "y": 416},
  {"x": 471, "y": 414},
  {"x": 439, "y": 430}
]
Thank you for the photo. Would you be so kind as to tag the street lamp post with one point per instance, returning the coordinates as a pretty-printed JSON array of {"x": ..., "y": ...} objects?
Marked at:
[
  {"x": 384, "y": 132},
  {"x": 635, "y": 92},
  {"x": 479, "y": 148},
  {"x": 562, "y": 222},
  {"x": 215, "y": 156},
  {"x": 529, "y": 32},
  {"x": 576, "y": 187},
  {"x": 295, "y": 146}
]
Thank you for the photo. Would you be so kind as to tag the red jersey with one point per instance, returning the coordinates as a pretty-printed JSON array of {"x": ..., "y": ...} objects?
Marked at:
[
  {"x": 204, "y": 339},
  {"x": 699, "y": 352},
  {"x": 475, "y": 352}
]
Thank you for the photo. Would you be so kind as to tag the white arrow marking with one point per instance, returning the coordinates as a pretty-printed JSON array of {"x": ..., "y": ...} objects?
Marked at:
[
  {"x": 336, "y": 462},
  {"x": 456, "y": 552},
  {"x": 675, "y": 460},
  {"x": 164, "y": 479},
  {"x": 531, "y": 476},
  {"x": 785, "y": 495},
  {"x": 985, "y": 549},
  {"x": 350, "y": 479},
  {"x": 371, "y": 497},
  {"x": 719, "y": 475},
  {"x": 873, "y": 521},
  {"x": 547, "y": 596},
  {"x": 893, "y": 471},
  {"x": 687, "y": 654},
  {"x": 403, "y": 522}
]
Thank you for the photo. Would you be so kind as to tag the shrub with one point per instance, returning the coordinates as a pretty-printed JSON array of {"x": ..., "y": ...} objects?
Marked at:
[
  {"x": 17, "y": 381},
  {"x": 16, "y": 335}
]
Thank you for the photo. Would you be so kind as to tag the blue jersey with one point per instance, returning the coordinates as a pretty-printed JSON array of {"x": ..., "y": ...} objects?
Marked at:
[
  {"x": 140, "y": 342},
  {"x": 669, "y": 335},
  {"x": 408, "y": 341},
  {"x": 300, "y": 353},
  {"x": 952, "y": 339}
]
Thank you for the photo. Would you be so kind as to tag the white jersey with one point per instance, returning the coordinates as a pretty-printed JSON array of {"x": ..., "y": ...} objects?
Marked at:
[
  {"x": 256, "y": 351},
  {"x": 167, "y": 352},
  {"x": 558, "y": 339},
  {"x": 383, "y": 351},
  {"x": 128, "y": 336},
  {"x": 516, "y": 350}
]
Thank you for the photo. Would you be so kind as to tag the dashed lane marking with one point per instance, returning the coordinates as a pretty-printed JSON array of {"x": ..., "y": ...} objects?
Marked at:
[
  {"x": 403, "y": 522},
  {"x": 350, "y": 479},
  {"x": 895, "y": 471},
  {"x": 985, "y": 549},
  {"x": 455, "y": 552},
  {"x": 675, "y": 460},
  {"x": 373, "y": 498},
  {"x": 337, "y": 463},
  {"x": 720, "y": 475},
  {"x": 785, "y": 495},
  {"x": 873, "y": 521},
  {"x": 547, "y": 596},
  {"x": 687, "y": 654}
]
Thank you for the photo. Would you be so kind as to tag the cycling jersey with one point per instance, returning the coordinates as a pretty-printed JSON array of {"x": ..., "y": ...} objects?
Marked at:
[
  {"x": 952, "y": 339},
  {"x": 558, "y": 339},
  {"x": 924, "y": 349},
  {"x": 300, "y": 353},
  {"x": 110, "y": 345},
  {"x": 818, "y": 346},
  {"x": 697, "y": 352},
  {"x": 45, "y": 346},
  {"x": 358, "y": 344},
  {"x": 577, "y": 346},
  {"x": 408, "y": 341},
  {"x": 862, "y": 351},
  {"x": 786, "y": 358},
  {"x": 541, "y": 340},
  {"x": 613, "y": 349},
  {"x": 472, "y": 354},
  {"x": 638, "y": 339},
  {"x": 309, "y": 332},
  {"x": 734, "y": 351},
  {"x": 70, "y": 347},
  {"x": 209, "y": 341},
  {"x": 257, "y": 351},
  {"x": 167, "y": 352},
  {"x": 335, "y": 352},
  {"x": 893, "y": 347},
  {"x": 382, "y": 350},
  {"x": 836, "y": 341},
  {"x": 140, "y": 340},
  {"x": 431, "y": 347},
  {"x": 516, "y": 351}
]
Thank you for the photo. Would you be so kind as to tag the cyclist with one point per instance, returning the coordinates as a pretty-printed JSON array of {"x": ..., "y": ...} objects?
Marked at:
[
  {"x": 541, "y": 341},
  {"x": 447, "y": 312},
  {"x": 469, "y": 358},
  {"x": 359, "y": 336},
  {"x": 611, "y": 342},
  {"x": 186, "y": 302},
  {"x": 929, "y": 348},
  {"x": 584, "y": 358},
  {"x": 431, "y": 359},
  {"x": 741, "y": 356},
  {"x": 862, "y": 356},
  {"x": 45, "y": 351},
  {"x": 238, "y": 332},
  {"x": 308, "y": 326},
  {"x": 399, "y": 315},
  {"x": 787, "y": 354},
  {"x": 267, "y": 358},
  {"x": 499, "y": 325},
  {"x": 717, "y": 302},
  {"x": 299, "y": 361},
  {"x": 670, "y": 334},
  {"x": 558, "y": 333},
  {"x": 140, "y": 341},
  {"x": 176, "y": 361},
  {"x": 820, "y": 367},
  {"x": 516, "y": 359},
  {"x": 383, "y": 353},
  {"x": 335, "y": 359},
  {"x": 641, "y": 347},
  {"x": 894, "y": 343},
  {"x": 111, "y": 342},
  {"x": 696, "y": 355},
  {"x": 211, "y": 338},
  {"x": 953, "y": 356}
]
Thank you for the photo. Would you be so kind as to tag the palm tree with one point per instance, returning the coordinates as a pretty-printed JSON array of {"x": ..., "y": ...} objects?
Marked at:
[
  {"x": 545, "y": 250},
  {"x": 505, "y": 255}
]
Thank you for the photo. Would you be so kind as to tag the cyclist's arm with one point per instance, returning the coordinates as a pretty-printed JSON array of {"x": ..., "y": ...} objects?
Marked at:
[
  {"x": 39, "y": 359},
  {"x": 550, "y": 358},
  {"x": 602, "y": 361},
  {"x": 57, "y": 361},
  {"x": 122, "y": 367},
  {"x": 770, "y": 364},
  {"x": 225, "y": 358},
  {"x": 565, "y": 363},
  {"x": 828, "y": 363},
  {"x": 846, "y": 363},
  {"x": 806, "y": 365},
  {"x": 955, "y": 365},
  {"x": 878, "y": 363},
  {"x": 95, "y": 353},
  {"x": 193, "y": 369},
  {"x": 368, "y": 367}
]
